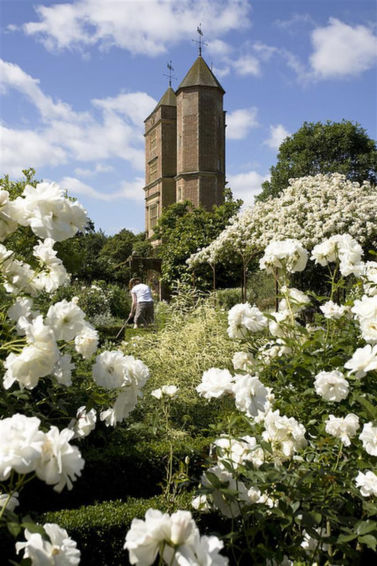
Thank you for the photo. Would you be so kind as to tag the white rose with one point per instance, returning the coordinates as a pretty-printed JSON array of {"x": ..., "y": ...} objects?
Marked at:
[{"x": 331, "y": 385}]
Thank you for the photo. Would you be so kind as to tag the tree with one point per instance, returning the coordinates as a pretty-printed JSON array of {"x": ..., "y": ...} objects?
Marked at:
[
  {"x": 333, "y": 147},
  {"x": 183, "y": 229}
]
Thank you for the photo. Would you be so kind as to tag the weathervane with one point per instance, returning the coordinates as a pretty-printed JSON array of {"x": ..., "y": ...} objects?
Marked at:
[
  {"x": 200, "y": 41},
  {"x": 171, "y": 70}
]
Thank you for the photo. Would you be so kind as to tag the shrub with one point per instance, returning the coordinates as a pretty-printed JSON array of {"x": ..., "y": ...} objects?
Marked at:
[
  {"x": 100, "y": 530},
  {"x": 120, "y": 464}
]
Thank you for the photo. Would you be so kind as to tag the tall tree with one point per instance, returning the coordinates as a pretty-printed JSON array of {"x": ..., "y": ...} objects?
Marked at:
[
  {"x": 183, "y": 229},
  {"x": 334, "y": 147}
]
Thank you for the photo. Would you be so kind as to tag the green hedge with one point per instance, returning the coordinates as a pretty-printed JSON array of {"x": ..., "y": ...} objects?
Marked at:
[
  {"x": 100, "y": 530},
  {"x": 119, "y": 470}
]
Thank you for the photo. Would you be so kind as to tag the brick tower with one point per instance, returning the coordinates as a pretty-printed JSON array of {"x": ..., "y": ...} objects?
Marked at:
[
  {"x": 160, "y": 158},
  {"x": 200, "y": 137},
  {"x": 185, "y": 145}
]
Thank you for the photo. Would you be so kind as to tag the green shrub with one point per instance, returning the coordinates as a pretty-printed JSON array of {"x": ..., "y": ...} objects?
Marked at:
[
  {"x": 261, "y": 290},
  {"x": 227, "y": 298},
  {"x": 118, "y": 466},
  {"x": 100, "y": 530}
]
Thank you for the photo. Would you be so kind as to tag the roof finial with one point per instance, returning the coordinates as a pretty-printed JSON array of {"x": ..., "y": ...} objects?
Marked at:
[
  {"x": 171, "y": 70},
  {"x": 200, "y": 41}
]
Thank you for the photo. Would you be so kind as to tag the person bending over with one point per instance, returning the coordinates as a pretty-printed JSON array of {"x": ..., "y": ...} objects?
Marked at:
[{"x": 142, "y": 303}]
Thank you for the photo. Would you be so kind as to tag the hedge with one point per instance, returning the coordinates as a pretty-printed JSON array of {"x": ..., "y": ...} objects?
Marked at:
[
  {"x": 116, "y": 471},
  {"x": 100, "y": 530}
]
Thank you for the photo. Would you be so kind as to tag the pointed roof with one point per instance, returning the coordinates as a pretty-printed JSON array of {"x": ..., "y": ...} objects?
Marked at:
[
  {"x": 167, "y": 99},
  {"x": 200, "y": 75}
]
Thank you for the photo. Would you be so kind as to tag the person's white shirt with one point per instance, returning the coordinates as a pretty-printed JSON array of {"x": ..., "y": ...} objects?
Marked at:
[{"x": 142, "y": 292}]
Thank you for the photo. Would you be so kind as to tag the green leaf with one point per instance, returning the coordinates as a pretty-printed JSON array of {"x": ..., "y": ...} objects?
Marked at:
[
  {"x": 346, "y": 538},
  {"x": 365, "y": 527},
  {"x": 14, "y": 528},
  {"x": 370, "y": 409},
  {"x": 369, "y": 540}
]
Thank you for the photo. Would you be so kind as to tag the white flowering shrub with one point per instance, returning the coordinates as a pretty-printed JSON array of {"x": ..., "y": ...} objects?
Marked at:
[
  {"x": 41, "y": 343},
  {"x": 294, "y": 468},
  {"x": 309, "y": 210}
]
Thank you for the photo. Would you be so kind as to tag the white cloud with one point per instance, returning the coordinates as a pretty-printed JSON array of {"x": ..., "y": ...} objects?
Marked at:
[
  {"x": 67, "y": 134},
  {"x": 127, "y": 191},
  {"x": 240, "y": 122},
  {"x": 264, "y": 51},
  {"x": 12, "y": 76},
  {"x": 341, "y": 50},
  {"x": 277, "y": 135},
  {"x": 146, "y": 27},
  {"x": 99, "y": 168},
  {"x": 294, "y": 21},
  {"x": 21, "y": 149},
  {"x": 247, "y": 65},
  {"x": 219, "y": 48},
  {"x": 246, "y": 185},
  {"x": 135, "y": 106},
  {"x": 221, "y": 72}
]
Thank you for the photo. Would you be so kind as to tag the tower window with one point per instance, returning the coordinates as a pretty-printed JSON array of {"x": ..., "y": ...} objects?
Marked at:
[
  {"x": 153, "y": 215},
  {"x": 153, "y": 140},
  {"x": 153, "y": 167}
]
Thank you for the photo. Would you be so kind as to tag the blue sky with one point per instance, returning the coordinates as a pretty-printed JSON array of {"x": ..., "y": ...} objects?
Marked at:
[{"x": 80, "y": 77}]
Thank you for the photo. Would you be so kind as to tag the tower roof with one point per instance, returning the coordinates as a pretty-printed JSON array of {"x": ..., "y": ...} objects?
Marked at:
[
  {"x": 200, "y": 75},
  {"x": 168, "y": 98}
]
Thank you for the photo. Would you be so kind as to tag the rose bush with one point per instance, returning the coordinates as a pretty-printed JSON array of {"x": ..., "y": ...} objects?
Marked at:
[
  {"x": 41, "y": 344},
  {"x": 294, "y": 467}
]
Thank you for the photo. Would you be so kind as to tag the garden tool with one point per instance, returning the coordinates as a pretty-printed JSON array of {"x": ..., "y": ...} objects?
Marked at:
[{"x": 130, "y": 317}]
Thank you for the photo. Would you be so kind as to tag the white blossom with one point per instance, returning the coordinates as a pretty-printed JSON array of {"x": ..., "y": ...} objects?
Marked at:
[
  {"x": 277, "y": 325},
  {"x": 21, "y": 444},
  {"x": 250, "y": 394},
  {"x": 48, "y": 212},
  {"x": 60, "y": 462},
  {"x": 243, "y": 361},
  {"x": 7, "y": 224},
  {"x": 202, "y": 551},
  {"x": 367, "y": 482},
  {"x": 331, "y": 385},
  {"x": 59, "y": 550},
  {"x": 201, "y": 503},
  {"x": 86, "y": 341},
  {"x": 311, "y": 544},
  {"x": 63, "y": 370},
  {"x": 244, "y": 318},
  {"x": 369, "y": 277},
  {"x": 36, "y": 360},
  {"x": 215, "y": 383},
  {"x": 84, "y": 422},
  {"x": 333, "y": 311},
  {"x": 343, "y": 428},
  {"x": 165, "y": 391},
  {"x": 362, "y": 361},
  {"x": 238, "y": 451},
  {"x": 21, "y": 312},
  {"x": 286, "y": 435},
  {"x": 66, "y": 319},
  {"x": 297, "y": 300},
  {"x": 124, "y": 404},
  {"x": 368, "y": 437},
  {"x": 288, "y": 254},
  {"x": 176, "y": 537}
]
